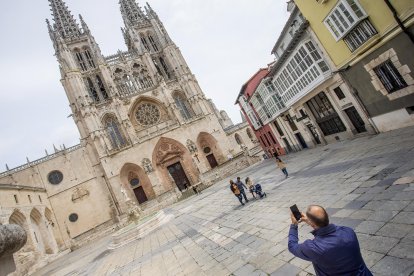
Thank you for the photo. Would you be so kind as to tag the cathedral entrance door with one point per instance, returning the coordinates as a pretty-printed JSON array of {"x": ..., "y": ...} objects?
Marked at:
[
  {"x": 178, "y": 174},
  {"x": 140, "y": 195},
  {"x": 212, "y": 160}
]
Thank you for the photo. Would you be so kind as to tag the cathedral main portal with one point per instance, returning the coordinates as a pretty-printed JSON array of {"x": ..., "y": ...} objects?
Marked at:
[{"x": 178, "y": 174}]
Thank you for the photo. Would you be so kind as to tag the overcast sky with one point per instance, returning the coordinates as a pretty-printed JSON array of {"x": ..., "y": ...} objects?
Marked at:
[{"x": 224, "y": 41}]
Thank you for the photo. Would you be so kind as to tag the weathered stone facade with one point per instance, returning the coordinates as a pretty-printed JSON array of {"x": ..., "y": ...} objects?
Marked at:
[{"x": 147, "y": 132}]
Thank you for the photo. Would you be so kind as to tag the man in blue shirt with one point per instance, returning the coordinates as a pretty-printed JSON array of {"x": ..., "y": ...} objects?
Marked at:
[
  {"x": 334, "y": 250},
  {"x": 241, "y": 187}
]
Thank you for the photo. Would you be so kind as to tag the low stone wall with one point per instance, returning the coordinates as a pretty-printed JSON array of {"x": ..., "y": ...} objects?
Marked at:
[{"x": 227, "y": 169}]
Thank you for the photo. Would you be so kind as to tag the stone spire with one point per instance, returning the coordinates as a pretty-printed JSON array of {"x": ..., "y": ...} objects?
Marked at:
[
  {"x": 131, "y": 12},
  {"x": 64, "y": 23}
]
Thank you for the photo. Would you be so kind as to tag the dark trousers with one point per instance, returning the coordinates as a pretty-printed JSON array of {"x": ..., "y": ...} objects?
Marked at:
[
  {"x": 239, "y": 197},
  {"x": 285, "y": 171},
  {"x": 243, "y": 193}
]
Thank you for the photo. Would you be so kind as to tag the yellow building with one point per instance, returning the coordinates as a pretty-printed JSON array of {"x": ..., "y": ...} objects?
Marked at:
[{"x": 371, "y": 43}]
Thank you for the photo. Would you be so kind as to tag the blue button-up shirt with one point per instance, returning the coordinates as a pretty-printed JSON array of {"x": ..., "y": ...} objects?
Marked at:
[{"x": 334, "y": 251}]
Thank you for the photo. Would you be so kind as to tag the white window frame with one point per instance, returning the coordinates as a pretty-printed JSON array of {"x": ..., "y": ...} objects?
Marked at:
[
  {"x": 346, "y": 25},
  {"x": 302, "y": 71}
]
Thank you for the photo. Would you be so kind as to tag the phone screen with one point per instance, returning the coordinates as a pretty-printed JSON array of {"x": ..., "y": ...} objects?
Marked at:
[{"x": 296, "y": 213}]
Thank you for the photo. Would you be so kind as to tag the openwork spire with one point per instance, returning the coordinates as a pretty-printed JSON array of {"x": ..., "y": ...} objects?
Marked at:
[
  {"x": 131, "y": 12},
  {"x": 64, "y": 23}
]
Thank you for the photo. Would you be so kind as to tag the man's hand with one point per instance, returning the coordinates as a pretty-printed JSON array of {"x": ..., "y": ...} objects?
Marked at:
[{"x": 294, "y": 221}]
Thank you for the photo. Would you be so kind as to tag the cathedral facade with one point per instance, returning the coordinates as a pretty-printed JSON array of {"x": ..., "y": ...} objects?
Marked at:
[{"x": 148, "y": 135}]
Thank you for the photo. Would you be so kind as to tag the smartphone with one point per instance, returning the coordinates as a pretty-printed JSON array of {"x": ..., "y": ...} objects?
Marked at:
[{"x": 296, "y": 213}]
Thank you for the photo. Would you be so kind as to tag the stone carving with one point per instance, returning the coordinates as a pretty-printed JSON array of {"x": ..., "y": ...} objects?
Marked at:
[
  {"x": 12, "y": 238},
  {"x": 191, "y": 146},
  {"x": 79, "y": 194},
  {"x": 147, "y": 165},
  {"x": 167, "y": 151},
  {"x": 125, "y": 194}
]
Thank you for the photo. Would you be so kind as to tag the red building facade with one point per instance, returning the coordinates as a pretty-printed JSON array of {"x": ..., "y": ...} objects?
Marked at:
[{"x": 264, "y": 133}]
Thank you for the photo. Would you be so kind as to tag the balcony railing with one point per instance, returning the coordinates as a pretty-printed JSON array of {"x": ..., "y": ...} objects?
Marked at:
[{"x": 157, "y": 130}]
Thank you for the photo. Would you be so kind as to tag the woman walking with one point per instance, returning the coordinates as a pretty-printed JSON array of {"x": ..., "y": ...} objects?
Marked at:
[
  {"x": 282, "y": 166},
  {"x": 250, "y": 185},
  {"x": 236, "y": 191}
]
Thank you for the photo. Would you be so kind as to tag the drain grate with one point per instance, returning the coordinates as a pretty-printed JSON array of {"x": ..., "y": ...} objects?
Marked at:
[{"x": 383, "y": 174}]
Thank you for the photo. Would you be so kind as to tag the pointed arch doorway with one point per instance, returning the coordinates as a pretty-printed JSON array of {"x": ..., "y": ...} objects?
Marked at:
[
  {"x": 178, "y": 174},
  {"x": 175, "y": 164}
]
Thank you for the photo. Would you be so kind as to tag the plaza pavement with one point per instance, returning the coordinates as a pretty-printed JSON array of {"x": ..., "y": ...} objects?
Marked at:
[{"x": 212, "y": 235}]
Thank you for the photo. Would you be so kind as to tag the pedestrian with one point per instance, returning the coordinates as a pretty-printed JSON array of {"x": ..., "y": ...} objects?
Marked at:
[
  {"x": 333, "y": 251},
  {"x": 195, "y": 190},
  {"x": 236, "y": 191},
  {"x": 241, "y": 187},
  {"x": 281, "y": 165},
  {"x": 250, "y": 185}
]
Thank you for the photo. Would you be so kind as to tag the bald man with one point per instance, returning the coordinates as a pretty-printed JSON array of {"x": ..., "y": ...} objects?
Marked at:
[{"x": 334, "y": 250}]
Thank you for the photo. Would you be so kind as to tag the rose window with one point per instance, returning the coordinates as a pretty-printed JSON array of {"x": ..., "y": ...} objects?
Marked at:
[{"x": 147, "y": 114}]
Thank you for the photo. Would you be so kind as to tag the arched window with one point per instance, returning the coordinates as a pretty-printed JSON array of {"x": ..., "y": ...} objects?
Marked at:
[
  {"x": 81, "y": 61},
  {"x": 114, "y": 132},
  {"x": 89, "y": 58},
  {"x": 145, "y": 43},
  {"x": 153, "y": 43},
  {"x": 85, "y": 59},
  {"x": 92, "y": 90},
  {"x": 101, "y": 86},
  {"x": 238, "y": 139},
  {"x": 249, "y": 134},
  {"x": 183, "y": 106}
]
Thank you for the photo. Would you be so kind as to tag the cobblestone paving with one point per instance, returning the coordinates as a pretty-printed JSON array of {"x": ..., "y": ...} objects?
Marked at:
[{"x": 212, "y": 235}]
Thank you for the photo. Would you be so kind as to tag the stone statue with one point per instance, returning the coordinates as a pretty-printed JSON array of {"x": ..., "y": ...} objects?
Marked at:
[
  {"x": 127, "y": 198},
  {"x": 147, "y": 165},
  {"x": 12, "y": 239}
]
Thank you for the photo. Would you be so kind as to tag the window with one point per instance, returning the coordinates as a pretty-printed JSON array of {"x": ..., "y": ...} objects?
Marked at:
[
  {"x": 30, "y": 199},
  {"x": 101, "y": 87},
  {"x": 92, "y": 90},
  {"x": 304, "y": 69},
  {"x": 279, "y": 130},
  {"x": 267, "y": 139},
  {"x": 325, "y": 115},
  {"x": 359, "y": 35},
  {"x": 390, "y": 77},
  {"x": 114, "y": 132},
  {"x": 272, "y": 138},
  {"x": 145, "y": 43},
  {"x": 147, "y": 114},
  {"x": 183, "y": 105},
  {"x": 344, "y": 17},
  {"x": 134, "y": 182},
  {"x": 249, "y": 134},
  {"x": 153, "y": 43},
  {"x": 73, "y": 217},
  {"x": 55, "y": 177},
  {"x": 84, "y": 59},
  {"x": 96, "y": 89},
  {"x": 291, "y": 123},
  {"x": 238, "y": 139},
  {"x": 90, "y": 59},
  {"x": 40, "y": 199},
  {"x": 339, "y": 93},
  {"x": 207, "y": 150},
  {"x": 16, "y": 199},
  {"x": 81, "y": 61}
]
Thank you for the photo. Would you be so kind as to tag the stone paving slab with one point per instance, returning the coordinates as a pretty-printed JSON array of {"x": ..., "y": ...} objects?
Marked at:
[{"x": 212, "y": 235}]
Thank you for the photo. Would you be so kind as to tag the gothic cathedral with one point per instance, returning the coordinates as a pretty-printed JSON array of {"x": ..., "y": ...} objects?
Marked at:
[{"x": 148, "y": 135}]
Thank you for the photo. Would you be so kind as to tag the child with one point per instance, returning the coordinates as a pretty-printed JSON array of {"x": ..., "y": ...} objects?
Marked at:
[
  {"x": 282, "y": 166},
  {"x": 250, "y": 185}
]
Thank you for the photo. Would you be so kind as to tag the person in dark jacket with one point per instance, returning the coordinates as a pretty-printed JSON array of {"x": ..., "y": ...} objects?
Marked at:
[
  {"x": 241, "y": 187},
  {"x": 334, "y": 250}
]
